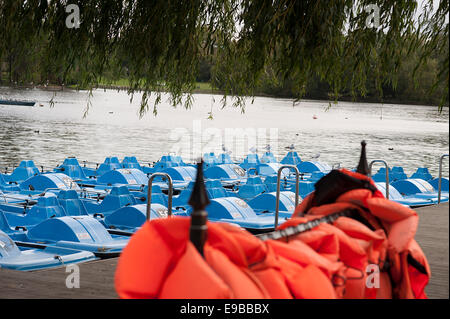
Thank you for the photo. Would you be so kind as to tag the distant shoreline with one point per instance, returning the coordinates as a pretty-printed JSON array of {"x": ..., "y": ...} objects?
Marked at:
[{"x": 202, "y": 89}]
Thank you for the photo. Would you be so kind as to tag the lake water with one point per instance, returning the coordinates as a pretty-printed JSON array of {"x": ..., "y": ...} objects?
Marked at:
[{"x": 403, "y": 135}]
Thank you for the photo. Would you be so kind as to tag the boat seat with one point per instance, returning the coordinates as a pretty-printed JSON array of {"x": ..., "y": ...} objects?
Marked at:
[
  {"x": 71, "y": 203},
  {"x": 110, "y": 163},
  {"x": 158, "y": 197},
  {"x": 182, "y": 199},
  {"x": 252, "y": 188},
  {"x": 291, "y": 158},
  {"x": 215, "y": 189},
  {"x": 47, "y": 206},
  {"x": 72, "y": 168},
  {"x": 251, "y": 161},
  {"x": 131, "y": 162},
  {"x": 25, "y": 170},
  {"x": 380, "y": 175},
  {"x": 268, "y": 157},
  {"x": 271, "y": 183},
  {"x": 422, "y": 173},
  {"x": 117, "y": 198},
  {"x": 398, "y": 174}
]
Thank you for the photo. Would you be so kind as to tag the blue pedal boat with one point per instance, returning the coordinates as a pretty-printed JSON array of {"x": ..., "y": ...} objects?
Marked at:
[
  {"x": 25, "y": 170},
  {"x": 266, "y": 203},
  {"x": 418, "y": 188},
  {"x": 48, "y": 223},
  {"x": 47, "y": 182},
  {"x": 228, "y": 174},
  {"x": 291, "y": 158},
  {"x": 410, "y": 201},
  {"x": 131, "y": 218},
  {"x": 25, "y": 257},
  {"x": 73, "y": 232},
  {"x": 236, "y": 211}
]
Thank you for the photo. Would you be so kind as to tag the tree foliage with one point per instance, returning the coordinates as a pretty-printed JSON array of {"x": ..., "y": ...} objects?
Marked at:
[{"x": 159, "y": 45}]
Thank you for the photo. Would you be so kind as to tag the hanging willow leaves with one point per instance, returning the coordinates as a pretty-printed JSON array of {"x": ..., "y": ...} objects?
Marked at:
[{"x": 157, "y": 45}]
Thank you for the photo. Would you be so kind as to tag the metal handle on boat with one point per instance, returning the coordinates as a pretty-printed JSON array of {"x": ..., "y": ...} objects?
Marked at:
[
  {"x": 297, "y": 191},
  {"x": 387, "y": 174},
  {"x": 6, "y": 197},
  {"x": 251, "y": 169},
  {"x": 149, "y": 193},
  {"x": 49, "y": 189},
  {"x": 440, "y": 177}
]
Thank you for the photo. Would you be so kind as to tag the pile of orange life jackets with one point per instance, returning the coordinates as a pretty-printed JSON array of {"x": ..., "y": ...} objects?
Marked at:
[{"x": 372, "y": 256}]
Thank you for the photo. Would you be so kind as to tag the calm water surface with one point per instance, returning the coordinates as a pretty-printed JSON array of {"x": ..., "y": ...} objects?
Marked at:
[{"x": 403, "y": 135}]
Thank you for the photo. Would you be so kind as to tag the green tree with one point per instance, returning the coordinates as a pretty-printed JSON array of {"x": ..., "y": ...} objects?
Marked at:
[{"x": 159, "y": 45}]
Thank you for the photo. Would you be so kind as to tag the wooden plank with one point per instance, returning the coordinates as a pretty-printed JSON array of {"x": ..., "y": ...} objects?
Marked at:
[
  {"x": 96, "y": 281},
  {"x": 432, "y": 236}
]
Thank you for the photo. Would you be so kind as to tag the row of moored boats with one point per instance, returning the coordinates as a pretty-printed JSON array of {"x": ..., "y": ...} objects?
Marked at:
[{"x": 81, "y": 211}]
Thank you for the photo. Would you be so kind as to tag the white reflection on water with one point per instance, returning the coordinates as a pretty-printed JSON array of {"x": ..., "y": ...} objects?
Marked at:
[{"x": 417, "y": 134}]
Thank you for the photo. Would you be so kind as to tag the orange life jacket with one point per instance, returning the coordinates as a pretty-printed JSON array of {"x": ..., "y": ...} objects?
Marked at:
[
  {"x": 160, "y": 262},
  {"x": 409, "y": 271}
]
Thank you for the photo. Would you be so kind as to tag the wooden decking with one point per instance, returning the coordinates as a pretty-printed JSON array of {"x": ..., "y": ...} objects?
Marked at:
[
  {"x": 432, "y": 237},
  {"x": 97, "y": 277},
  {"x": 96, "y": 281}
]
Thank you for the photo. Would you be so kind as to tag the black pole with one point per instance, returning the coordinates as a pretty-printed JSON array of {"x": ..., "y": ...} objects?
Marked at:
[
  {"x": 198, "y": 201},
  {"x": 363, "y": 166}
]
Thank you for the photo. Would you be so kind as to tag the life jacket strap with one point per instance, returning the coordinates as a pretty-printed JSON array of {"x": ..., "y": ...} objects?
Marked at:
[{"x": 301, "y": 228}]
